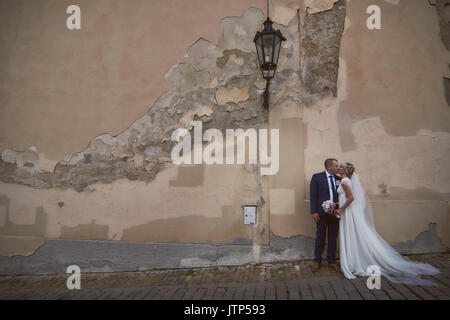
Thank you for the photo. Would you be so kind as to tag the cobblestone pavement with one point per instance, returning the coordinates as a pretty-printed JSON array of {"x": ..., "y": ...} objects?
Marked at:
[{"x": 269, "y": 281}]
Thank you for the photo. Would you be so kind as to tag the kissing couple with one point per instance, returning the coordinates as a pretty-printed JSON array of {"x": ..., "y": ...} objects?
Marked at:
[{"x": 350, "y": 215}]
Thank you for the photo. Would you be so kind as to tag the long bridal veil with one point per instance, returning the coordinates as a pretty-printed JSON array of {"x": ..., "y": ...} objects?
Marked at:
[{"x": 374, "y": 250}]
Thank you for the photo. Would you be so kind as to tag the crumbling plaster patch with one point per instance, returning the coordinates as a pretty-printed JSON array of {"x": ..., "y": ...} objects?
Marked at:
[
  {"x": 426, "y": 242},
  {"x": 238, "y": 32},
  {"x": 321, "y": 33},
  {"x": 443, "y": 12},
  {"x": 315, "y": 6},
  {"x": 234, "y": 95}
]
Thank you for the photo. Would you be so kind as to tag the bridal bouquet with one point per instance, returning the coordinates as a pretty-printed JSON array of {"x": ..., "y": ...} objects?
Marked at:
[{"x": 329, "y": 206}]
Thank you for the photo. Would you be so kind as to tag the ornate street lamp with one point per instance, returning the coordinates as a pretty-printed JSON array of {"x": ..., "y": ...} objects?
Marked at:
[{"x": 268, "y": 45}]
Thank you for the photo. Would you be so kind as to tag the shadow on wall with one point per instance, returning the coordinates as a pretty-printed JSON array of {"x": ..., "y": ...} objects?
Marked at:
[{"x": 37, "y": 229}]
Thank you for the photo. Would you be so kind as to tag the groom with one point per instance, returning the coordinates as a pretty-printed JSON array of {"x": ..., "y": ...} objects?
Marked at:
[{"x": 323, "y": 188}]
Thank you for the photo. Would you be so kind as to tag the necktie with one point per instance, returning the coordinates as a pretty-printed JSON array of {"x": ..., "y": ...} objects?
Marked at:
[{"x": 333, "y": 188}]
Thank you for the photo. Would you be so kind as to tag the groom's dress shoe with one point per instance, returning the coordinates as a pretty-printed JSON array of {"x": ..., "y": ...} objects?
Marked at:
[
  {"x": 315, "y": 267},
  {"x": 335, "y": 267}
]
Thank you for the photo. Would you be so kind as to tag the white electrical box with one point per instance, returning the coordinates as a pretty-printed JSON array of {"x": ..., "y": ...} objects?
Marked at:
[{"x": 249, "y": 214}]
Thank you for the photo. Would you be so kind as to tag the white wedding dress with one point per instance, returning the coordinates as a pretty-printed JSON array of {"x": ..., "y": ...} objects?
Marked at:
[{"x": 361, "y": 246}]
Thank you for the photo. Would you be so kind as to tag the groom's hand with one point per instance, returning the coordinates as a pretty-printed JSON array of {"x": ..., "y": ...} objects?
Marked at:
[{"x": 316, "y": 217}]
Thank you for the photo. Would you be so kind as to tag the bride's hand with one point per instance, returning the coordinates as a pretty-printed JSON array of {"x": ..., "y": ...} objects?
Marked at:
[{"x": 338, "y": 211}]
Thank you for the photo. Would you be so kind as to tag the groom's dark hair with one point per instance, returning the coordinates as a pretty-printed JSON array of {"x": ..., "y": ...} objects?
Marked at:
[{"x": 329, "y": 162}]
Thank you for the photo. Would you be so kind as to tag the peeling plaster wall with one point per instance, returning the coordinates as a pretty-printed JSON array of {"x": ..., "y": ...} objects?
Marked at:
[
  {"x": 390, "y": 119},
  {"x": 340, "y": 90},
  {"x": 62, "y": 88},
  {"x": 124, "y": 187},
  {"x": 165, "y": 210}
]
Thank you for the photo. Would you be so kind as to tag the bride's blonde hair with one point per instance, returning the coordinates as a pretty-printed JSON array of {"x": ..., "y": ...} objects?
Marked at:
[{"x": 349, "y": 169}]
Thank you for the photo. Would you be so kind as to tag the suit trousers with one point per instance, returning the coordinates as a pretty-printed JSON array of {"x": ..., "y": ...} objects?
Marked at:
[{"x": 331, "y": 224}]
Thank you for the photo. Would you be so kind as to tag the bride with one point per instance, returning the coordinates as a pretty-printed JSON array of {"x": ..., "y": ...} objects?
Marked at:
[{"x": 361, "y": 246}]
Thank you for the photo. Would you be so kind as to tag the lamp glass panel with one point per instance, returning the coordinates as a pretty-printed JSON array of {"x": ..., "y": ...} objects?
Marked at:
[
  {"x": 268, "y": 47},
  {"x": 277, "y": 50},
  {"x": 260, "y": 51}
]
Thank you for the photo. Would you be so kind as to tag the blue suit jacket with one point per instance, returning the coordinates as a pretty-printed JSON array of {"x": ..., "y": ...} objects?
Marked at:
[{"x": 319, "y": 192}]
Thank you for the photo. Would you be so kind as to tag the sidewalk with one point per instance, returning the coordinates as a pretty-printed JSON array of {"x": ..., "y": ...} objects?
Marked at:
[{"x": 270, "y": 281}]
